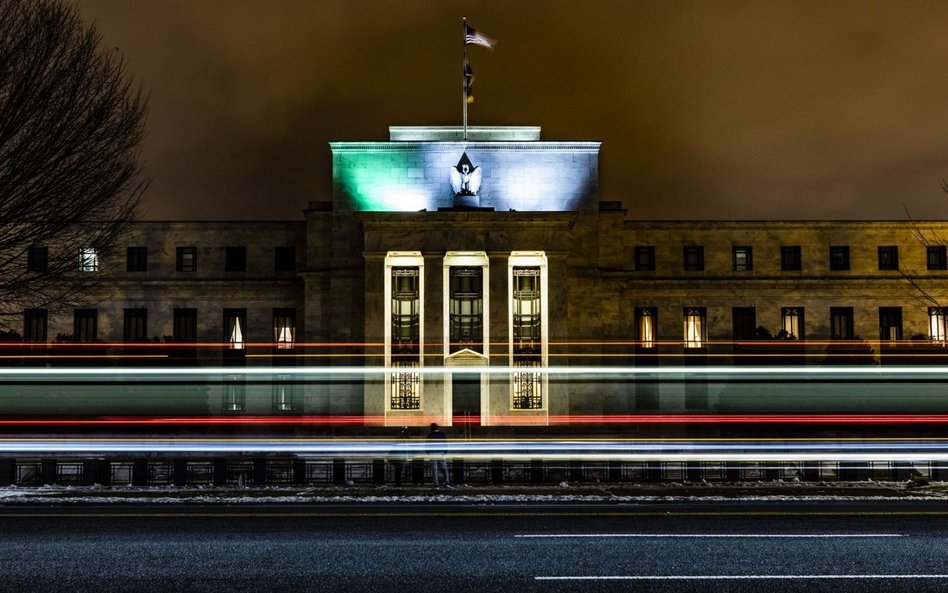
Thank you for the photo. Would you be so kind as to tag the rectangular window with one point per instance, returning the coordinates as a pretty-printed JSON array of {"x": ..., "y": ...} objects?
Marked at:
[
  {"x": 694, "y": 258},
  {"x": 841, "y": 323},
  {"x": 466, "y": 308},
  {"x": 235, "y": 259},
  {"x": 186, "y": 260},
  {"x": 235, "y": 394},
  {"x": 136, "y": 325},
  {"x": 839, "y": 257},
  {"x": 406, "y": 338},
  {"x": 644, "y": 258},
  {"x": 85, "y": 325},
  {"x": 744, "y": 323},
  {"x": 284, "y": 328},
  {"x": 284, "y": 394},
  {"x": 527, "y": 338},
  {"x": 35, "y": 324},
  {"x": 88, "y": 259},
  {"x": 235, "y": 328},
  {"x": 937, "y": 325},
  {"x": 890, "y": 324},
  {"x": 137, "y": 260},
  {"x": 937, "y": 258},
  {"x": 696, "y": 330},
  {"x": 185, "y": 326},
  {"x": 284, "y": 259},
  {"x": 646, "y": 320},
  {"x": 743, "y": 257},
  {"x": 790, "y": 258},
  {"x": 37, "y": 259},
  {"x": 889, "y": 257},
  {"x": 792, "y": 323}
]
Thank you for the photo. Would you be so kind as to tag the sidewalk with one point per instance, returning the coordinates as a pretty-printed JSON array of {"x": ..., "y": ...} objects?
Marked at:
[{"x": 476, "y": 494}]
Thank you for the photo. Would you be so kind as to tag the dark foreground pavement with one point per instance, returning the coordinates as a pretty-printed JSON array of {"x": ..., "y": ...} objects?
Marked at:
[{"x": 860, "y": 546}]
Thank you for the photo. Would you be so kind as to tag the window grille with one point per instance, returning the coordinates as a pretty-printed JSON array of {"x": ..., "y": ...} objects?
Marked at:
[
  {"x": 88, "y": 259},
  {"x": 527, "y": 339},
  {"x": 406, "y": 338},
  {"x": 406, "y": 385},
  {"x": 527, "y": 385}
]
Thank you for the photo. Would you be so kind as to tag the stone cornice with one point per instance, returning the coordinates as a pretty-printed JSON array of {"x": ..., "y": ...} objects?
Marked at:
[
  {"x": 541, "y": 146},
  {"x": 756, "y": 225}
]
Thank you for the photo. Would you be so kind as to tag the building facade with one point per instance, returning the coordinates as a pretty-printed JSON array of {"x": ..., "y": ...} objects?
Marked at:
[{"x": 435, "y": 252}]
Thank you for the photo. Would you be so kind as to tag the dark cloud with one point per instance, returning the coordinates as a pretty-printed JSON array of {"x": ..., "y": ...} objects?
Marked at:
[{"x": 705, "y": 109}]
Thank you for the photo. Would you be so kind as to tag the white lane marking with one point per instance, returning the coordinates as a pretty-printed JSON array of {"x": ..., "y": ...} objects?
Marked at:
[
  {"x": 710, "y": 535},
  {"x": 743, "y": 577}
]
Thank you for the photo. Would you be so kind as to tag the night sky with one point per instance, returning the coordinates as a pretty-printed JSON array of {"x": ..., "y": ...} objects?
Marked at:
[{"x": 706, "y": 110}]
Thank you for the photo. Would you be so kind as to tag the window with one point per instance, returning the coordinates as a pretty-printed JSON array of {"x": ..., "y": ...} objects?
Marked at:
[
  {"x": 88, "y": 259},
  {"x": 136, "y": 325},
  {"x": 235, "y": 259},
  {"x": 235, "y": 328},
  {"x": 85, "y": 325},
  {"x": 235, "y": 394},
  {"x": 644, "y": 258},
  {"x": 527, "y": 338},
  {"x": 743, "y": 259},
  {"x": 186, "y": 259},
  {"x": 185, "y": 326},
  {"x": 792, "y": 322},
  {"x": 841, "y": 322},
  {"x": 889, "y": 257},
  {"x": 694, "y": 258},
  {"x": 937, "y": 259},
  {"x": 137, "y": 260},
  {"x": 284, "y": 394},
  {"x": 284, "y": 259},
  {"x": 466, "y": 308},
  {"x": 744, "y": 323},
  {"x": 695, "y": 327},
  {"x": 406, "y": 338},
  {"x": 645, "y": 323},
  {"x": 37, "y": 259},
  {"x": 839, "y": 257},
  {"x": 284, "y": 328},
  {"x": 35, "y": 323},
  {"x": 890, "y": 323},
  {"x": 790, "y": 258},
  {"x": 937, "y": 325}
]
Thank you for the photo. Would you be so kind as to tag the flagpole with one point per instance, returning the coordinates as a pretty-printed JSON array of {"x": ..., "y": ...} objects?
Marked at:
[{"x": 464, "y": 72}]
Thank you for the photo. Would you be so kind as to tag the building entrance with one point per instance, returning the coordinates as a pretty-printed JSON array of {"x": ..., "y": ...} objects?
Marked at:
[{"x": 466, "y": 393}]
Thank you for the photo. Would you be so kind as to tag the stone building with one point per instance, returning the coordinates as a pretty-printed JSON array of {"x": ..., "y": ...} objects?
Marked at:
[{"x": 435, "y": 252}]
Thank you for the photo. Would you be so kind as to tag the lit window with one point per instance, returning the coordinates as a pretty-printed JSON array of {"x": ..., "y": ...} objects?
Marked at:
[
  {"x": 743, "y": 259},
  {"x": 406, "y": 337},
  {"x": 527, "y": 338},
  {"x": 645, "y": 318},
  {"x": 466, "y": 308},
  {"x": 284, "y": 328},
  {"x": 937, "y": 326},
  {"x": 235, "y": 328},
  {"x": 695, "y": 327},
  {"x": 792, "y": 322},
  {"x": 88, "y": 259}
]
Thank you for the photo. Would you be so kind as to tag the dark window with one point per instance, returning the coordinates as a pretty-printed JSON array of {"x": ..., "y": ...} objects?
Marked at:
[
  {"x": 790, "y": 258},
  {"x": 743, "y": 259},
  {"x": 284, "y": 259},
  {"x": 235, "y": 328},
  {"x": 136, "y": 325},
  {"x": 937, "y": 259},
  {"x": 841, "y": 322},
  {"x": 85, "y": 325},
  {"x": 646, "y": 325},
  {"x": 187, "y": 259},
  {"x": 137, "y": 259},
  {"x": 889, "y": 257},
  {"x": 284, "y": 328},
  {"x": 890, "y": 323},
  {"x": 35, "y": 323},
  {"x": 745, "y": 323},
  {"x": 694, "y": 258},
  {"x": 37, "y": 258},
  {"x": 185, "y": 326},
  {"x": 839, "y": 257},
  {"x": 235, "y": 259},
  {"x": 466, "y": 308},
  {"x": 644, "y": 258}
]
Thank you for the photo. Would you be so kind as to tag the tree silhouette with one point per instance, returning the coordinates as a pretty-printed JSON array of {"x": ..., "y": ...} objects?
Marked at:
[{"x": 70, "y": 176}]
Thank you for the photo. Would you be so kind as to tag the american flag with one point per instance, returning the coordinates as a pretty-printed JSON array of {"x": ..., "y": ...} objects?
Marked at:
[{"x": 472, "y": 37}]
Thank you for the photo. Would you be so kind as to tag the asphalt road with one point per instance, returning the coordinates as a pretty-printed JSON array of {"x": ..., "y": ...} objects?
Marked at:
[{"x": 864, "y": 547}]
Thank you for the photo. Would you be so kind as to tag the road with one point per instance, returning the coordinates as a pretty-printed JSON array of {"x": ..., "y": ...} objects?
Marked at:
[{"x": 848, "y": 546}]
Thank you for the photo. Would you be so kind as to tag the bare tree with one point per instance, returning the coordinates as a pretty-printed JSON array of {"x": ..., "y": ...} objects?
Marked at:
[{"x": 70, "y": 175}]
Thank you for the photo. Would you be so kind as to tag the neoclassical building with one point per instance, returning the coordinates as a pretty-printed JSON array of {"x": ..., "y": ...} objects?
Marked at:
[{"x": 439, "y": 252}]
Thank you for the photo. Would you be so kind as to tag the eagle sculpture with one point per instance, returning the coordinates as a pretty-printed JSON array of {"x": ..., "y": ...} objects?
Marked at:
[{"x": 465, "y": 178}]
